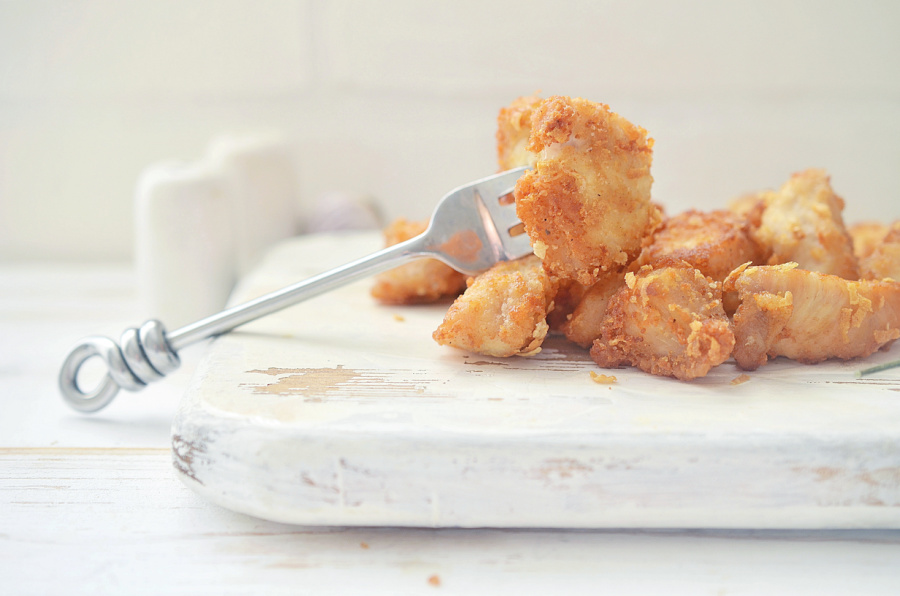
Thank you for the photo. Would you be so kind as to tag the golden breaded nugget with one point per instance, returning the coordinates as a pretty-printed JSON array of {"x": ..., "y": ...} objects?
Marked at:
[
  {"x": 513, "y": 129},
  {"x": 802, "y": 223},
  {"x": 810, "y": 316},
  {"x": 585, "y": 323},
  {"x": 714, "y": 242},
  {"x": 866, "y": 236},
  {"x": 883, "y": 260},
  {"x": 667, "y": 322},
  {"x": 418, "y": 282},
  {"x": 503, "y": 312},
  {"x": 568, "y": 294},
  {"x": 749, "y": 206},
  {"x": 586, "y": 203}
]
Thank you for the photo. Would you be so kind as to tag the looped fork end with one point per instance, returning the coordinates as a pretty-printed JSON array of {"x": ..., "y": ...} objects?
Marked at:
[{"x": 145, "y": 356}]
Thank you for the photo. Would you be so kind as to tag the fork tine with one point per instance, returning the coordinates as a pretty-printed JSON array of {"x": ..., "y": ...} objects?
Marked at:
[
  {"x": 501, "y": 184},
  {"x": 492, "y": 190},
  {"x": 504, "y": 216},
  {"x": 517, "y": 246},
  {"x": 470, "y": 228},
  {"x": 508, "y": 191}
]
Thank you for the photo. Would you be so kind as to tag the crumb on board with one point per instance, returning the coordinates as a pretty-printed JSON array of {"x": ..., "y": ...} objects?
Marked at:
[
  {"x": 399, "y": 318},
  {"x": 363, "y": 545},
  {"x": 434, "y": 580},
  {"x": 740, "y": 379},
  {"x": 602, "y": 379}
]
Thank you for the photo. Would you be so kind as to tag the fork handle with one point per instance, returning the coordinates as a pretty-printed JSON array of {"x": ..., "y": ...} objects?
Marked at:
[{"x": 148, "y": 353}]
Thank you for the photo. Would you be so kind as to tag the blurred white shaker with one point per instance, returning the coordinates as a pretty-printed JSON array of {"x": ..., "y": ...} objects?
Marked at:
[
  {"x": 185, "y": 243},
  {"x": 199, "y": 227},
  {"x": 259, "y": 173}
]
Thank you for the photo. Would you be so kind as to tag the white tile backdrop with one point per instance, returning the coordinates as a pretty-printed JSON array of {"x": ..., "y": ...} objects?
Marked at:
[{"x": 397, "y": 99}]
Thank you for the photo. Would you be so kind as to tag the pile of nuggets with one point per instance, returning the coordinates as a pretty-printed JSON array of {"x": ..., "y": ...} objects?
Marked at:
[{"x": 777, "y": 273}]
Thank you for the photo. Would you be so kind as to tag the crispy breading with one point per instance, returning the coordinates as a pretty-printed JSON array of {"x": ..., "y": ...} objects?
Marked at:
[
  {"x": 802, "y": 223},
  {"x": 667, "y": 322},
  {"x": 418, "y": 282},
  {"x": 503, "y": 312},
  {"x": 810, "y": 316},
  {"x": 749, "y": 206},
  {"x": 513, "y": 129},
  {"x": 714, "y": 242},
  {"x": 866, "y": 235},
  {"x": 883, "y": 260},
  {"x": 585, "y": 323},
  {"x": 568, "y": 295},
  {"x": 586, "y": 203}
]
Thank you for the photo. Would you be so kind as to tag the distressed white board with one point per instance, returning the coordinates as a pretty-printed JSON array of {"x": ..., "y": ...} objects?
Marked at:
[{"x": 340, "y": 411}]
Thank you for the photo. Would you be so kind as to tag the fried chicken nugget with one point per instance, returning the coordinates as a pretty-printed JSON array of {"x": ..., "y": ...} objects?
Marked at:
[
  {"x": 714, "y": 242},
  {"x": 418, "y": 282},
  {"x": 809, "y": 316},
  {"x": 585, "y": 323},
  {"x": 569, "y": 294},
  {"x": 866, "y": 236},
  {"x": 749, "y": 206},
  {"x": 883, "y": 260},
  {"x": 667, "y": 322},
  {"x": 586, "y": 203},
  {"x": 513, "y": 129},
  {"x": 503, "y": 312},
  {"x": 802, "y": 223}
]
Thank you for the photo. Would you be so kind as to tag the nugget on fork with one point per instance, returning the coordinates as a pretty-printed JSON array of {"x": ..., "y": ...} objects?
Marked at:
[
  {"x": 586, "y": 203},
  {"x": 513, "y": 130}
]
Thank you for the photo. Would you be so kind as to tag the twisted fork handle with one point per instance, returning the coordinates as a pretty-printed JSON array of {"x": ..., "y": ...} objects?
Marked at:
[
  {"x": 148, "y": 353},
  {"x": 142, "y": 356}
]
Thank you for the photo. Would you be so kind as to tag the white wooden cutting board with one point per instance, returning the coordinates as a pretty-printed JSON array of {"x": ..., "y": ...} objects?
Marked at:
[{"x": 340, "y": 411}]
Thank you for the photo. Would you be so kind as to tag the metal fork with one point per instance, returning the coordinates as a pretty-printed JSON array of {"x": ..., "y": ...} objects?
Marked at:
[{"x": 472, "y": 228}]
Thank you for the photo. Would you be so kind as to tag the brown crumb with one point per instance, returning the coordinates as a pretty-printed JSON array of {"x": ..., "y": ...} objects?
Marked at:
[
  {"x": 602, "y": 379},
  {"x": 399, "y": 318},
  {"x": 740, "y": 379},
  {"x": 435, "y": 581},
  {"x": 363, "y": 545}
]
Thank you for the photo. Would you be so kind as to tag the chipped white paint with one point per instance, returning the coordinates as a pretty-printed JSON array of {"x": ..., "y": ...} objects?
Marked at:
[{"x": 336, "y": 411}]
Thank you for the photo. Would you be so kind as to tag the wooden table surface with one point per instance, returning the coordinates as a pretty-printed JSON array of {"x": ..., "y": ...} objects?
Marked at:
[{"x": 92, "y": 504}]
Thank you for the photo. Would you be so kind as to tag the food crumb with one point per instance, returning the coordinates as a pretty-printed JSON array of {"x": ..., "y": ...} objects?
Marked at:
[
  {"x": 435, "y": 581},
  {"x": 363, "y": 545},
  {"x": 602, "y": 379},
  {"x": 740, "y": 379},
  {"x": 399, "y": 318}
]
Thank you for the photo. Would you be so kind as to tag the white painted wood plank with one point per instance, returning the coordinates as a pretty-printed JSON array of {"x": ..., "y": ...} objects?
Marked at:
[
  {"x": 336, "y": 412},
  {"x": 104, "y": 521}
]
